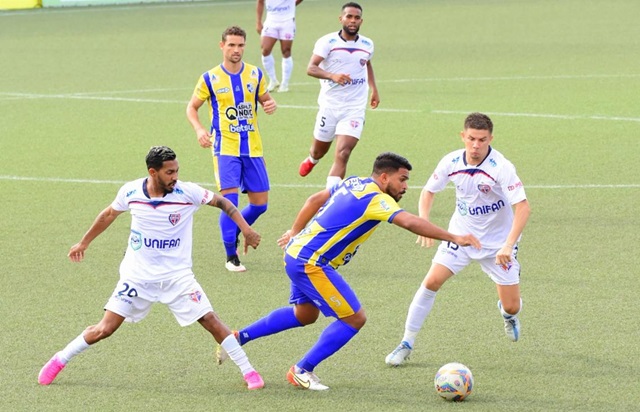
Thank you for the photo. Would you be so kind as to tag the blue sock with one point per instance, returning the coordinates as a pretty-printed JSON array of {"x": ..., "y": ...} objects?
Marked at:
[
  {"x": 334, "y": 337},
  {"x": 228, "y": 227},
  {"x": 277, "y": 321},
  {"x": 251, "y": 213}
]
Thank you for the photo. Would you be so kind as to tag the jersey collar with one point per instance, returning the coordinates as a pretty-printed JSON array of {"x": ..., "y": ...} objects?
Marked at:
[
  {"x": 345, "y": 40},
  {"x": 464, "y": 158}
]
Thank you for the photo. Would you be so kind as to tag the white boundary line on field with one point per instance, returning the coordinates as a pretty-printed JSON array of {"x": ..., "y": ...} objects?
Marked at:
[
  {"x": 297, "y": 186},
  {"x": 80, "y": 8}
]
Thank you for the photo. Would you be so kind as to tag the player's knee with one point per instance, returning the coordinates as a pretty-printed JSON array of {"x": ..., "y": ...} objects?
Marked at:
[
  {"x": 357, "y": 320},
  {"x": 511, "y": 307}
]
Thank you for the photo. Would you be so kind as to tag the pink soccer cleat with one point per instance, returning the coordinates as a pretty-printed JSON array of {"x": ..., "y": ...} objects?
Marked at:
[
  {"x": 254, "y": 380},
  {"x": 50, "y": 370}
]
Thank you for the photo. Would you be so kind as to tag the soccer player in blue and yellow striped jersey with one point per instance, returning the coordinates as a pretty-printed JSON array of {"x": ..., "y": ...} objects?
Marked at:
[
  {"x": 234, "y": 89},
  {"x": 341, "y": 219}
]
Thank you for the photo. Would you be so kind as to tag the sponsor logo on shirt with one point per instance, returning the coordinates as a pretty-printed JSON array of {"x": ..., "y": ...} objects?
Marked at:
[
  {"x": 161, "y": 243},
  {"x": 514, "y": 187},
  {"x": 243, "y": 111},
  {"x": 493, "y": 162},
  {"x": 465, "y": 209},
  {"x": 223, "y": 90},
  {"x": 135, "y": 240},
  {"x": 278, "y": 9},
  {"x": 129, "y": 193}
]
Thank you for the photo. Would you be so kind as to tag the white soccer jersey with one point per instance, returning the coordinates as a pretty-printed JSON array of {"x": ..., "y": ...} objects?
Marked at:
[
  {"x": 161, "y": 230},
  {"x": 342, "y": 56},
  {"x": 279, "y": 11},
  {"x": 484, "y": 195}
]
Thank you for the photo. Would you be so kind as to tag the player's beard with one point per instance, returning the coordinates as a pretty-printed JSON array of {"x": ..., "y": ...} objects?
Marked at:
[
  {"x": 351, "y": 32},
  {"x": 168, "y": 187}
]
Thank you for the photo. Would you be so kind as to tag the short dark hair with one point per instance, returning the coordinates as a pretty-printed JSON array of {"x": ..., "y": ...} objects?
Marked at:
[
  {"x": 389, "y": 162},
  {"x": 233, "y": 31},
  {"x": 158, "y": 155},
  {"x": 478, "y": 121},
  {"x": 352, "y": 4}
]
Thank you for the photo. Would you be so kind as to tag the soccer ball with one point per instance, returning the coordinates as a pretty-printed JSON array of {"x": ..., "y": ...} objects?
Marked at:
[{"x": 454, "y": 381}]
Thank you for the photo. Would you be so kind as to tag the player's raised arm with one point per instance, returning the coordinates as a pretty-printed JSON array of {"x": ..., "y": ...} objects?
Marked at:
[
  {"x": 314, "y": 70},
  {"x": 425, "y": 228},
  {"x": 308, "y": 211},
  {"x": 100, "y": 224}
]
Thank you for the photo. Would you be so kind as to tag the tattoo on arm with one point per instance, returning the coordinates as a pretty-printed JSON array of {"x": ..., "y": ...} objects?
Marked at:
[{"x": 223, "y": 204}]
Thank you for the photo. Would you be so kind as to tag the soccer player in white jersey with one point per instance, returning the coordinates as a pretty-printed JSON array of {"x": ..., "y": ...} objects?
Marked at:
[
  {"x": 157, "y": 264},
  {"x": 342, "y": 62},
  {"x": 492, "y": 205},
  {"x": 279, "y": 25}
]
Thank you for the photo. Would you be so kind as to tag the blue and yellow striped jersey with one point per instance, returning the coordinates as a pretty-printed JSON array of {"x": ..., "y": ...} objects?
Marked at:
[
  {"x": 233, "y": 100},
  {"x": 344, "y": 222}
]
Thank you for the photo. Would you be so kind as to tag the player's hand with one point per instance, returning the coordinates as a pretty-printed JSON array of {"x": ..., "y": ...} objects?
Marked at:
[
  {"x": 424, "y": 241},
  {"x": 284, "y": 239},
  {"x": 375, "y": 99},
  {"x": 76, "y": 253},
  {"x": 269, "y": 106},
  {"x": 251, "y": 238},
  {"x": 204, "y": 138},
  {"x": 259, "y": 27},
  {"x": 503, "y": 258},
  {"x": 467, "y": 240},
  {"x": 341, "y": 78}
]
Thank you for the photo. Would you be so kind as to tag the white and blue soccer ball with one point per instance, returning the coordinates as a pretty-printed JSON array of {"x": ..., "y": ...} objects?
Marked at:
[{"x": 454, "y": 382}]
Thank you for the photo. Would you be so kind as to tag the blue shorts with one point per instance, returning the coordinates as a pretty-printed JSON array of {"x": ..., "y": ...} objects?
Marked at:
[
  {"x": 247, "y": 173},
  {"x": 321, "y": 285}
]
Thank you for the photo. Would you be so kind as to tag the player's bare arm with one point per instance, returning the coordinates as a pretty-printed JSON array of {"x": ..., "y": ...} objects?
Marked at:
[
  {"x": 424, "y": 209},
  {"x": 203, "y": 135},
  {"x": 308, "y": 211},
  {"x": 314, "y": 70},
  {"x": 521, "y": 212},
  {"x": 100, "y": 224},
  {"x": 268, "y": 104},
  {"x": 425, "y": 228},
  {"x": 375, "y": 97},
  {"x": 251, "y": 237}
]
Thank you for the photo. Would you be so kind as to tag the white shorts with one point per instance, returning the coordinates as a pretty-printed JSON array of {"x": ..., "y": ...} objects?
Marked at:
[
  {"x": 282, "y": 30},
  {"x": 332, "y": 122},
  {"x": 456, "y": 258},
  {"x": 184, "y": 296}
]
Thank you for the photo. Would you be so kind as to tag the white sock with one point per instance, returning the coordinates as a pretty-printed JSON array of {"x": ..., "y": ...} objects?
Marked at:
[
  {"x": 74, "y": 348},
  {"x": 332, "y": 181},
  {"x": 287, "y": 68},
  {"x": 270, "y": 67},
  {"x": 237, "y": 354},
  {"x": 418, "y": 311},
  {"x": 314, "y": 161}
]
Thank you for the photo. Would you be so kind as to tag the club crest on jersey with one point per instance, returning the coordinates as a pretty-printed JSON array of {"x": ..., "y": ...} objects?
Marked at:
[
  {"x": 174, "y": 218},
  {"x": 484, "y": 188},
  {"x": 363, "y": 62},
  {"x": 355, "y": 124},
  {"x": 250, "y": 88},
  {"x": 507, "y": 266},
  {"x": 196, "y": 296}
]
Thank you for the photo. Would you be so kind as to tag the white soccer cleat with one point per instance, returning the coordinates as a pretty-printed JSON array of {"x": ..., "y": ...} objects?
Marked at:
[
  {"x": 283, "y": 88},
  {"x": 234, "y": 265},
  {"x": 399, "y": 354},
  {"x": 273, "y": 86},
  {"x": 511, "y": 325},
  {"x": 305, "y": 380}
]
